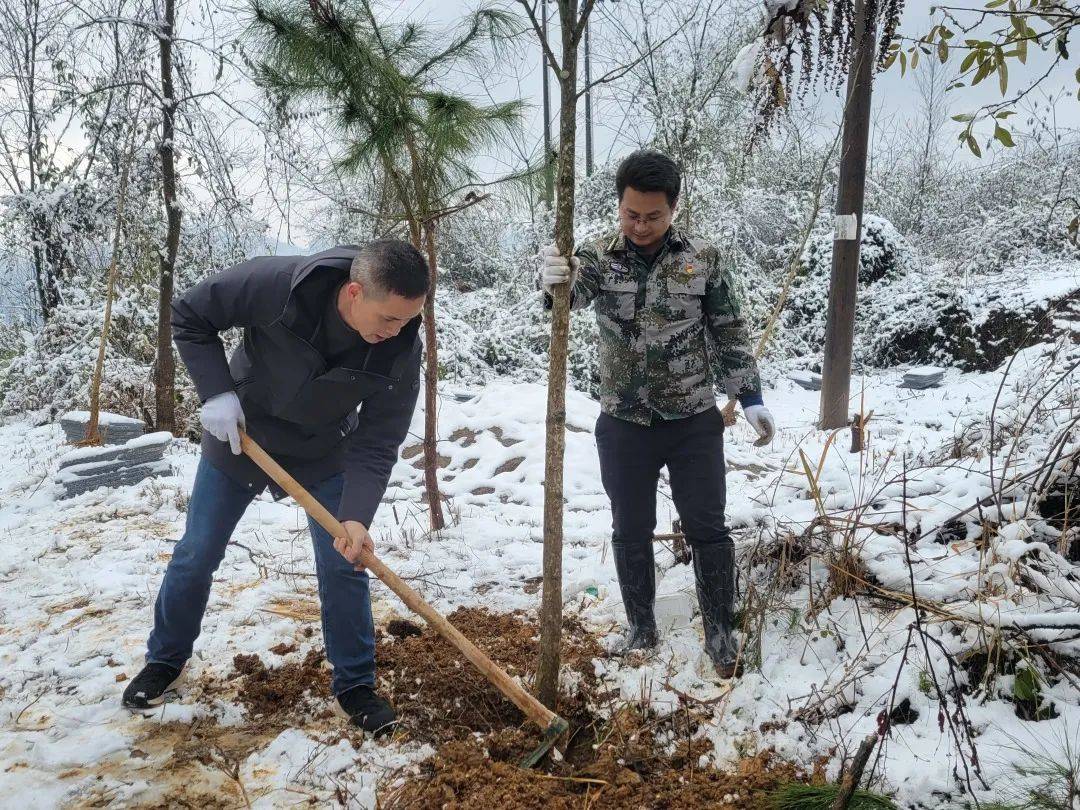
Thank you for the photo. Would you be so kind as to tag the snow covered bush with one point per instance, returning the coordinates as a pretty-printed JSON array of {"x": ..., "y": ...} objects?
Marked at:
[
  {"x": 491, "y": 333},
  {"x": 885, "y": 260},
  {"x": 936, "y": 320}
]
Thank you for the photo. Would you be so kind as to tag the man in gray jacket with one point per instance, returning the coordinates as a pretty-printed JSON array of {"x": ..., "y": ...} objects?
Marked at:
[{"x": 326, "y": 380}]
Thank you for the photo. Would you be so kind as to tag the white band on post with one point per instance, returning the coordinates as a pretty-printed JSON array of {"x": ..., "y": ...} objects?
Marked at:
[{"x": 845, "y": 226}]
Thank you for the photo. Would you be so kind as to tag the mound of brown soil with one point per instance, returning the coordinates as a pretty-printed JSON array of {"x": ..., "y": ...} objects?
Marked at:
[
  {"x": 297, "y": 686},
  {"x": 440, "y": 697},
  {"x": 617, "y": 764}
]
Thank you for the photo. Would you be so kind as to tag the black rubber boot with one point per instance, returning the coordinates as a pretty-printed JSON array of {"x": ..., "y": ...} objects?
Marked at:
[
  {"x": 637, "y": 582},
  {"x": 714, "y": 575}
]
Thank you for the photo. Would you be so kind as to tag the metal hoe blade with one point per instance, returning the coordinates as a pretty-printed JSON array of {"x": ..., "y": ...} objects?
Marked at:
[{"x": 556, "y": 729}]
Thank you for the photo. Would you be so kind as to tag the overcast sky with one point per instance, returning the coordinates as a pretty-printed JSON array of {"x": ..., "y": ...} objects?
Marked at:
[
  {"x": 894, "y": 95},
  {"x": 517, "y": 75}
]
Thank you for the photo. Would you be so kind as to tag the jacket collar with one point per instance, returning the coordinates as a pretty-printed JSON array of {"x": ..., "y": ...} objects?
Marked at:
[{"x": 339, "y": 257}]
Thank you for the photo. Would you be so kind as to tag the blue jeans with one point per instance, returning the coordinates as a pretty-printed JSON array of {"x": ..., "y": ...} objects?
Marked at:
[{"x": 216, "y": 506}]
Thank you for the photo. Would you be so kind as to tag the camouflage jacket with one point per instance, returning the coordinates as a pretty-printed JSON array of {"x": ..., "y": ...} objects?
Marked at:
[{"x": 669, "y": 333}]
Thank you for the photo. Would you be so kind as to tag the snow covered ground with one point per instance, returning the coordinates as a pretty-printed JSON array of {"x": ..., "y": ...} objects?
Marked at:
[{"x": 78, "y": 578}]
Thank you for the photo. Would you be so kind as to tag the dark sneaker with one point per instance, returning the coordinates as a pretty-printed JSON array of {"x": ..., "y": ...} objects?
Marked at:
[
  {"x": 149, "y": 687},
  {"x": 365, "y": 708}
]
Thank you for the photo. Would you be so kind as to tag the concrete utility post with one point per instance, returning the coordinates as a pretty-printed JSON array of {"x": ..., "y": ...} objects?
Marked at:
[{"x": 843, "y": 288}]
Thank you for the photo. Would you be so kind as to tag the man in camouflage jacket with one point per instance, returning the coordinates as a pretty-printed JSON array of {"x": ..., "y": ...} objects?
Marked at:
[{"x": 670, "y": 334}]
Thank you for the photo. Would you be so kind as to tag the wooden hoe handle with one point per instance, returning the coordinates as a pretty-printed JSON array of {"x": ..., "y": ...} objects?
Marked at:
[{"x": 533, "y": 708}]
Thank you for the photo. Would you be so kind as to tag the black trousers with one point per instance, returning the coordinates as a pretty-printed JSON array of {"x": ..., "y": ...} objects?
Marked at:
[{"x": 692, "y": 449}]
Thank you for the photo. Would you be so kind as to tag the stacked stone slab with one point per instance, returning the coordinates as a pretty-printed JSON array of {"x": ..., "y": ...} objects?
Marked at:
[
  {"x": 923, "y": 377},
  {"x": 114, "y": 428},
  {"x": 809, "y": 380},
  {"x": 88, "y": 468}
]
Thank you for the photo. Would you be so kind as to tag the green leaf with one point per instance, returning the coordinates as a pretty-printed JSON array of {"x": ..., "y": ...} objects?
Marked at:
[
  {"x": 969, "y": 60},
  {"x": 973, "y": 145},
  {"x": 996, "y": 3},
  {"x": 903, "y": 63},
  {"x": 1062, "y": 50},
  {"x": 1078, "y": 75},
  {"x": 943, "y": 51},
  {"x": 1004, "y": 114},
  {"x": 1026, "y": 685},
  {"x": 982, "y": 72},
  {"x": 914, "y": 58},
  {"x": 1004, "y": 136},
  {"x": 963, "y": 117},
  {"x": 1021, "y": 51},
  {"x": 1003, "y": 75}
]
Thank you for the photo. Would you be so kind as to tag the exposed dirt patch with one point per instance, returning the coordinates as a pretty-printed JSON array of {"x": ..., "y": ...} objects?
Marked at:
[
  {"x": 440, "y": 697},
  {"x": 464, "y": 437},
  {"x": 295, "y": 687},
  {"x": 441, "y": 461},
  {"x": 503, "y": 440},
  {"x": 616, "y": 757},
  {"x": 483, "y": 491},
  {"x": 626, "y": 762},
  {"x": 629, "y": 760},
  {"x": 509, "y": 466},
  {"x": 193, "y": 765}
]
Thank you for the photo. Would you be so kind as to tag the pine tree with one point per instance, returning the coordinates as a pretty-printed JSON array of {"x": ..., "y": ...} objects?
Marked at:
[{"x": 382, "y": 83}]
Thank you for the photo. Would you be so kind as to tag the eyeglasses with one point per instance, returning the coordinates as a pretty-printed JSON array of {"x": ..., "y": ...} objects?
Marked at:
[{"x": 635, "y": 218}]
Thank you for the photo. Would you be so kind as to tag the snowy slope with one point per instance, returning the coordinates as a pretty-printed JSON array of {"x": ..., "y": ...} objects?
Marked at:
[{"x": 79, "y": 579}]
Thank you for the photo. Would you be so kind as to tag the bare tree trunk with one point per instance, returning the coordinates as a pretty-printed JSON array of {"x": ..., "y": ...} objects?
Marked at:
[
  {"x": 92, "y": 434},
  {"x": 165, "y": 370},
  {"x": 48, "y": 288},
  {"x": 547, "y": 672},
  {"x": 549, "y": 183},
  {"x": 431, "y": 380}
]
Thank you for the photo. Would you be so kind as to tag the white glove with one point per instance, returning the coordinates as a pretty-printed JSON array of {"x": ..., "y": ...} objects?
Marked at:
[
  {"x": 761, "y": 421},
  {"x": 223, "y": 418},
  {"x": 557, "y": 269}
]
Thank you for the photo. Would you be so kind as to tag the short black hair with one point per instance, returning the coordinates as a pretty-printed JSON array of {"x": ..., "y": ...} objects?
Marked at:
[
  {"x": 649, "y": 170},
  {"x": 392, "y": 266}
]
